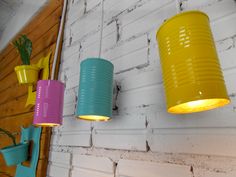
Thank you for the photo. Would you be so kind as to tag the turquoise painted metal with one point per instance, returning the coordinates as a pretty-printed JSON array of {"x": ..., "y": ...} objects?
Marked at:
[
  {"x": 15, "y": 154},
  {"x": 95, "y": 90},
  {"x": 30, "y": 134}
]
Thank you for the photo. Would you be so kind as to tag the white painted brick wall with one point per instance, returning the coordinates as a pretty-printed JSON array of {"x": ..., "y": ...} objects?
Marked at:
[
  {"x": 59, "y": 165},
  {"x": 133, "y": 168},
  {"x": 142, "y": 140},
  {"x": 121, "y": 133},
  {"x": 87, "y": 166}
]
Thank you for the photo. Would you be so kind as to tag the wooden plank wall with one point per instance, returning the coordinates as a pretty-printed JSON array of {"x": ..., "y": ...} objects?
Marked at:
[{"x": 43, "y": 31}]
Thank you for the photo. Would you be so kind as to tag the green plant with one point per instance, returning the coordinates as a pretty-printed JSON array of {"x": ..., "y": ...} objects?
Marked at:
[
  {"x": 10, "y": 135},
  {"x": 24, "y": 47}
]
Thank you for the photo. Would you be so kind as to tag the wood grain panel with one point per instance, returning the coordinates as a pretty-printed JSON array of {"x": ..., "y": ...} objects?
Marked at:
[{"x": 43, "y": 31}]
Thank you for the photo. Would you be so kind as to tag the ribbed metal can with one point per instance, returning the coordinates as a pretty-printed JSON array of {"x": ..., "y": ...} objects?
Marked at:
[
  {"x": 48, "y": 109},
  {"x": 192, "y": 76},
  {"x": 95, "y": 90}
]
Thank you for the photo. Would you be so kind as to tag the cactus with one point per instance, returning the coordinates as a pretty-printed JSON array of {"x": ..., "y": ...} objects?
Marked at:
[
  {"x": 24, "y": 47},
  {"x": 9, "y": 134}
]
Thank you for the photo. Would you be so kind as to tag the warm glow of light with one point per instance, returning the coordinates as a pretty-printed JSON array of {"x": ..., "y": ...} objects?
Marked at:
[
  {"x": 47, "y": 124},
  {"x": 94, "y": 118},
  {"x": 198, "y": 105}
]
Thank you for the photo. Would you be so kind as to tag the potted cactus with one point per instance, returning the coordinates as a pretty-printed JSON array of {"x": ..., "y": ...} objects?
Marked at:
[
  {"x": 26, "y": 73},
  {"x": 15, "y": 153}
]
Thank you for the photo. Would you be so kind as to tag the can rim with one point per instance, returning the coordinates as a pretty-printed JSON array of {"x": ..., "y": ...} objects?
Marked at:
[
  {"x": 30, "y": 67},
  {"x": 181, "y": 14},
  {"x": 49, "y": 80},
  {"x": 97, "y": 59}
]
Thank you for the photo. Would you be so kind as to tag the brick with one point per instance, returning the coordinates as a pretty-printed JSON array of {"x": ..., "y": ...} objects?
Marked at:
[
  {"x": 88, "y": 166},
  {"x": 123, "y": 132},
  {"x": 72, "y": 82},
  {"x": 91, "y": 51},
  {"x": 109, "y": 36},
  {"x": 54, "y": 139},
  {"x": 126, "y": 47},
  {"x": 74, "y": 132},
  {"x": 102, "y": 164},
  {"x": 191, "y": 4},
  {"x": 69, "y": 109},
  {"x": 69, "y": 97},
  {"x": 113, "y": 8},
  {"x": 60, "y": 157},
  {"x": 70, "y": 51},
  {"x": 67, "y": 33},
  {"x": 109, "y": 40},
  {"x": 134, "y": 168},
  {"x": 140, "y": 97},
  {"x": 141, "y": 80},
  {"x": 86, "y": 25},
  {"x": 122, "y": 122},
  {"x": 72, "y": 124},
  {"x": 230, "y": 79},
  {"x": 126, "y": 140},
  {"x": 227, "y": 59},
  {"x": 214, "y": 9},
  {"x": 55, "y": 170},
  {"x": 206, "y": 173},
  {"x": 225, "y": 44},
  {"x": 219, "y": 27},
  {"x": 110, "y": 28},
  {"x": 75, "y": 12},
  {"x": 91, "y": 4},
  {"x": 70, "y": 61},
  {"x": 141, "y": 10},
  {"x": 206, "y": 141},
  {"x": 132, "y": 60},
  {"x": 148, "y": 22},
  {"x": 79, "y": 138},
  {"x": 90, "y": 40}
]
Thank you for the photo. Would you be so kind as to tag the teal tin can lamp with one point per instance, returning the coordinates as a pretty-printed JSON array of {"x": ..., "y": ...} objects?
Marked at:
[{"x": 95, "y": 90}]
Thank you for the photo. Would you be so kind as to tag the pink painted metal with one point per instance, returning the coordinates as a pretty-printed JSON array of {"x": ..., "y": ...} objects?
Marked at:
[{"x": 49, "y": 103}]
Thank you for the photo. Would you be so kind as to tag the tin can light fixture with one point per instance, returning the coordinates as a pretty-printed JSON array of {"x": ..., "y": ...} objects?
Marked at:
[
  {"x": 48, "y": 109},
  {"x": 192, "y": 76},
  {"x": 96, "y": 86},
  {"x": 95, "y": 90},
  {"x": 49, "y": 103}
]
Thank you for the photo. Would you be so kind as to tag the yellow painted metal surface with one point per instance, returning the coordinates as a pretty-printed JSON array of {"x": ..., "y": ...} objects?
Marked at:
[
  {"x": 192, "y": 76},
  {"x": 43, "y": 64}
]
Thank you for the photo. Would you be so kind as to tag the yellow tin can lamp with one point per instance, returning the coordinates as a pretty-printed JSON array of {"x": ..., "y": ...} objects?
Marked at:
[{"x": 192, "y": 76}]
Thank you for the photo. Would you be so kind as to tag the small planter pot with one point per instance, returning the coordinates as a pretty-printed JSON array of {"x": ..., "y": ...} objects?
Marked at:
[
  {"x": 14, "y": 155},
  {"x": 27, "y": 74}
]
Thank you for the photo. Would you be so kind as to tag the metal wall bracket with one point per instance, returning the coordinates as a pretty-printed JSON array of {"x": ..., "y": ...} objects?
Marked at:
[
  {"x": 43, "y": 64},
  {"x": 31, "y": 134},
  {"x": 116, "y": 92}
]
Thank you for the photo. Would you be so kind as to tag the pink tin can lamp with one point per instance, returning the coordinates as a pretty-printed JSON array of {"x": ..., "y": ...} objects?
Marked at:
[{"x": 49, "y": 103}]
